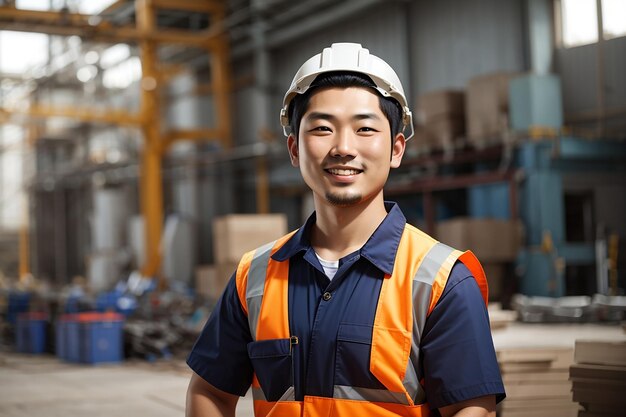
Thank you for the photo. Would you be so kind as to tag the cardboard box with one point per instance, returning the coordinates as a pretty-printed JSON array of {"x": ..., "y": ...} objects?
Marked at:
[
  {"x": 440, "y": 103},
  {"x": 447, "y": 131},
  {"x": 236, "y": 234},
  {"x": 212, "y": 279},
  {"x": 486, "y": 108},
  {"x": 492, "y": 240}
]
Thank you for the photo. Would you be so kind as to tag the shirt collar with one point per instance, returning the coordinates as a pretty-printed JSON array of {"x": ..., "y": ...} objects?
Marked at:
[{"x": 380, "y": 249}]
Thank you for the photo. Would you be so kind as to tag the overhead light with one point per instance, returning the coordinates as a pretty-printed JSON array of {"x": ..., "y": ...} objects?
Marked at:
[
  {"x": 86, "y": 73},
  {"x": 91, "y": 57}
]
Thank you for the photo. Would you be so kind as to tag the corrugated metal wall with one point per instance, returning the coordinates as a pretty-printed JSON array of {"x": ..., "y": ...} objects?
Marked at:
[
  {"x": 432, "y": 45},
  {"x": 456, "y": 40},
  {"x": 578, "y": 67}
]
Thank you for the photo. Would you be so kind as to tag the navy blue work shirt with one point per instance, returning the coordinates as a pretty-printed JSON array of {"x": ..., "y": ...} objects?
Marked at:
[{"x": 458, "y": 360}]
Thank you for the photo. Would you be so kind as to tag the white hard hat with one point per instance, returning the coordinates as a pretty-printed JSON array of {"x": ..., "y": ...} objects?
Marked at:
[{"x": 354, "y": 58}]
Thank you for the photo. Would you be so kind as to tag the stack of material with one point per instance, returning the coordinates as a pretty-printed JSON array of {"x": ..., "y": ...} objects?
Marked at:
[
  {"x": 536, "y": 382},
  {"x": 499, "y": 318},
  {"x": 234, "y": 235},
  {"x": 496, "y": 242},
  {"x": 487, "y": 108},
  {"x": 442, "y": 115},
  {"x": 599, "y": 378}
]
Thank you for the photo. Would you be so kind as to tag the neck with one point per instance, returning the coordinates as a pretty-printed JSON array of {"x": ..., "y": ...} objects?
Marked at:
[{"x": 339, "y": 231}]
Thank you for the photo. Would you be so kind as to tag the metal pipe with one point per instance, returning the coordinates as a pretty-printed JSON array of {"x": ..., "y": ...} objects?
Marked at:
[
  {"x": 306, "y": 26},
  {"x": 600, "y": 71}
]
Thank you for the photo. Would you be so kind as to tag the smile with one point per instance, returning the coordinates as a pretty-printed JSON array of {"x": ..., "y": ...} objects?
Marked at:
[{"x": 343, "y": 172}]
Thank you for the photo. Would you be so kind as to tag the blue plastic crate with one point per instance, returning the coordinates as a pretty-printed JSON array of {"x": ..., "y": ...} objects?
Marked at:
[
  {"x": 91, "y": 337},
  {"x": 72, "y": 339},
  {"x": 31, "y": 332},
  {"x": 17, "y": 303},
  {"x": 102, "y": 341},
  {"x": 62, "y": 339}
]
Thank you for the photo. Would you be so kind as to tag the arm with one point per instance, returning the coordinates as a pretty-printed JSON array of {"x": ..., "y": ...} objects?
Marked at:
[
  {"x": 204, "y": 400},
  {"x": 459, "y": 361},
  {"x": 476, "y": 407}
]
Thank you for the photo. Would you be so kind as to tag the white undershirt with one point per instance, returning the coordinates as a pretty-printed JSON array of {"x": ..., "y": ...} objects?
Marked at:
[{"x": 330, "y": 267}]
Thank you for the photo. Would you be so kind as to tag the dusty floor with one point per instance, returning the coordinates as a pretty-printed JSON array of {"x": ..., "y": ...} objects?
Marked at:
[{"x": 41, "y": 385}]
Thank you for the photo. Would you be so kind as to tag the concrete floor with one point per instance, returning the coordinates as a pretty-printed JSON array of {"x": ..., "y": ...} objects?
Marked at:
[{"x": 41, "y": 385}]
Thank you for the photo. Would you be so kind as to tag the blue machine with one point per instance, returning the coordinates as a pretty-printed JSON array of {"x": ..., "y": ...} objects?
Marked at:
[{"x": 546, "y": 163}]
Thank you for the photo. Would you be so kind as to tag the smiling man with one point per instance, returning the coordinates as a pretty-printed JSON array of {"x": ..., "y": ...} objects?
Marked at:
[{"x": 356, "y": 313}]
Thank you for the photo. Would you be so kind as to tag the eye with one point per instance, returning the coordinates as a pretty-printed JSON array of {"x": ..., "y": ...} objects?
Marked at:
[
  {"x": 367, "y": 129},
  {"x": 321, "y": 129}
]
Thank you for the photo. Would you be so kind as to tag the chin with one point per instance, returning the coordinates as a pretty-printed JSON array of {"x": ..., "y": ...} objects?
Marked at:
[{"x": 343, "y": 200}]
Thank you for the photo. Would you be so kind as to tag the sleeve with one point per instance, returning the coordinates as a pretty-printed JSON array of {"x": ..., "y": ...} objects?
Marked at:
[
  {"x": 220, "y": 354},
  {"x": 458, "y": 358}
]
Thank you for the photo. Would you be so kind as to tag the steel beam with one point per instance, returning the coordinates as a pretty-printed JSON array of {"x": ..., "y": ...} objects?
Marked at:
[
  {"x": 151, "y": 186},
  {"x": 118, "y": 117},
  {"x": 220, "y": 69},
  {"x": 74, "y": 24},
  {"x": 202, "y": 6}
]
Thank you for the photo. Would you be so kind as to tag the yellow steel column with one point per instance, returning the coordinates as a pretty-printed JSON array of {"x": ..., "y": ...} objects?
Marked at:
[
  {"x": 24, "y": 252},
  {"x": 24, "y": 234},
  {"x": 262, "y": 185},
  {"x": 150, "y": 183},
  {"x": 220, "y": 74}
]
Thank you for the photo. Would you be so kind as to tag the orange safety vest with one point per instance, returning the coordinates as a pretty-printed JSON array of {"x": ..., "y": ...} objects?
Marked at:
[{"x": 407, "y": 297}]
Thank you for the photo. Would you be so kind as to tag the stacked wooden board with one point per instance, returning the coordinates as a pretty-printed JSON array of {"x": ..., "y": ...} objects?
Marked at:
[
  {"x": 599, "y": 378},
  {"x": 536, "y": 382}
]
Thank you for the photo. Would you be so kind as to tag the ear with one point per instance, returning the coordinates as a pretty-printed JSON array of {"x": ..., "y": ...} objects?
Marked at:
[
  {"x": 397, "y": 150},
  {"x": 294, "y": 154}
]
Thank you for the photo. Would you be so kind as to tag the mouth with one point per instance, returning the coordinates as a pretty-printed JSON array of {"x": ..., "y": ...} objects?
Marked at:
[{"x": 343, "y": 172}]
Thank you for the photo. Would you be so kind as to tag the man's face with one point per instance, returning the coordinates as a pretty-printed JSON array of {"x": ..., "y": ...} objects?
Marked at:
[{"x": 344, "y": 149}]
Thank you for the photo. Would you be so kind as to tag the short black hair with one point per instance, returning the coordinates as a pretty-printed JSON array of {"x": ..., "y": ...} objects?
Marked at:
[{"x": 344, "y": 79}]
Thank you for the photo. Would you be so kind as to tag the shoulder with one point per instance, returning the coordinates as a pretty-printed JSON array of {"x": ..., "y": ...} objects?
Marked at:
[
  {"x": 415, "y": 233},
  {"x": 416, "y": 242}
]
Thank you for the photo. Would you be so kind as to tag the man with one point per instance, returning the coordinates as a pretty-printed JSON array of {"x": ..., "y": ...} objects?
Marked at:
[{"x": 356, "y": 313}]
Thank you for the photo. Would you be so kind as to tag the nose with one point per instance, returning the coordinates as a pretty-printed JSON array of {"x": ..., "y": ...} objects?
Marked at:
[{"x": 344, "y": 144}]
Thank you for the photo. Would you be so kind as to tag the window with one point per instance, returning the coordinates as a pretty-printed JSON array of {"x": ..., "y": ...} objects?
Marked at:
[
  {"x": 614, "y": 18},
  {"x": 13, "y": 60},
  {"x": 579, "y": 21}
]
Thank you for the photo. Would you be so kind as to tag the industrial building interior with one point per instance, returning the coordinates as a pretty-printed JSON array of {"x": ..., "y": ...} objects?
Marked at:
[{"x": 135, "y": 135}]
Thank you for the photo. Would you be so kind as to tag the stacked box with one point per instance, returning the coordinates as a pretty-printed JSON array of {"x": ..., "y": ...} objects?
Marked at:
[
  {"x": 487, "y": 108},
  {"x": 234, "y": 235},
  {"x": 536, "y": 382},
  {"x": 599, "y": 377},
  {"x": 492, "y": 240},
  {"x": 212, "y": 279},
  {"x": 442, "y": 116},
  {"x": 496, "y": 243},
  {"x": 31, "y": 332}
]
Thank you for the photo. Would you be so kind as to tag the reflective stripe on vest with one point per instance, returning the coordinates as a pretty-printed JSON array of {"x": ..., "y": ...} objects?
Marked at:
[
  {"x": 420, "y": 273},
  {"x": 256, "y": 285},
  {"x": 422, "y": 293}
]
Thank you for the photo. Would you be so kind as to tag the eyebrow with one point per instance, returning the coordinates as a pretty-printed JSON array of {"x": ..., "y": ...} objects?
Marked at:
[{"x": 326, "y": 116}]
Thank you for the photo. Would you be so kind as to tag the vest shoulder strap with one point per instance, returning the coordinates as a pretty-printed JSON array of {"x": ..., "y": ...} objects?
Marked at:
[{"x": 251, "y": 275}]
